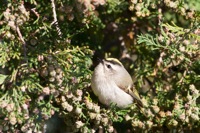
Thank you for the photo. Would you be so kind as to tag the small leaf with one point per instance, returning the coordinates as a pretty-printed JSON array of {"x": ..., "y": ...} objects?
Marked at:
[{"x": 2, "y": 78}]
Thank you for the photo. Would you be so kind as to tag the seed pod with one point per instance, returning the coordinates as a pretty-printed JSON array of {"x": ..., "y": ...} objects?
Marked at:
[
  {"x": 127, "y": 117},
  {"x": 149, "y": 124},
  {"x": 79, "y": 124},
  {"x": 98, "y": 117},
  {"x": 78, "y": 110},
  {"x": 67, "y": 106},
  {"x": 96, "y": 108},
  {"x": 140, "y": 125},
  {"x": 162, "y": 114},
  {"x": 51, "y": 79},
  {"x": 156, "y": 109},
  {"x": 110, "y": 129},
  {"x": 104, "y": 121},
  {"x": 168, "y": 114},
  {"x": 194, "y": 117},
  {"x": 52, "y": 73},
  {"x": 46, "y": 90},
  {"x": 89, "y": 105},
  {"x": 182, "y": 117},
  {"x": 92, "y": 115}
]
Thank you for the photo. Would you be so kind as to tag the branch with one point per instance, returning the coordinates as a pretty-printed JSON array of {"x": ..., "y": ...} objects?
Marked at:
[
  {"x": 55, "y": 21},
  {"x": 24, "y": 43},
  {"x": 36, "y": 13}
]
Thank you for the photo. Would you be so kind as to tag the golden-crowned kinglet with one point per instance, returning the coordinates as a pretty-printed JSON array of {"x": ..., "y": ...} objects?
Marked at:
[{"x": 113, "y": 84}]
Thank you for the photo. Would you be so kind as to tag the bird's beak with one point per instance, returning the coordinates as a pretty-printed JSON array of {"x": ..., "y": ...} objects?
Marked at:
[{"x": 100, "y": 60}]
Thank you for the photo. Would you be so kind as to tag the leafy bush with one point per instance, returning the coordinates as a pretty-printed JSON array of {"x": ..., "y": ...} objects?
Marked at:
[{"x": 46, "y": 61}]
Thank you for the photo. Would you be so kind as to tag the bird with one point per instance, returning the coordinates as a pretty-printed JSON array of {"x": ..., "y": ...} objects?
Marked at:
[{"x": 112, "y": 84}]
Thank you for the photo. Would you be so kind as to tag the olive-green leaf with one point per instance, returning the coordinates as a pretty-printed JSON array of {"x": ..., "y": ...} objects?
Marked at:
[{"x": 2, "y": 78}]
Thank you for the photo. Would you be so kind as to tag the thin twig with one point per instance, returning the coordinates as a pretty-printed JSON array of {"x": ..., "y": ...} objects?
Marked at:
[
  {"x": 35, "y": 12},
  {"x": 24, "y": 43},
  {"x": 54, "y": 12},
  {"x": 55, "y": 21}
]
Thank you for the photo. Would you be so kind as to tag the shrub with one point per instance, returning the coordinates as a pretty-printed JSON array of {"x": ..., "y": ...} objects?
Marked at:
[{"x": 46, "y": 63}]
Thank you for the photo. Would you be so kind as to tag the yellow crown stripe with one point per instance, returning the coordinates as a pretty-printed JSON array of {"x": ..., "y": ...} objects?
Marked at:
[{"x": 114, "y": 61}]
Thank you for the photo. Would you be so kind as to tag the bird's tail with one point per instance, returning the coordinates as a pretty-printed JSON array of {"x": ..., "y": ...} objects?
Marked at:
[{"x": 139, "y": 103}]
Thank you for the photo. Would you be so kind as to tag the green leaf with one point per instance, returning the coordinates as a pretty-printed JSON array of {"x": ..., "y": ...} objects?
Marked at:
[{"x": 2, "y": 78}]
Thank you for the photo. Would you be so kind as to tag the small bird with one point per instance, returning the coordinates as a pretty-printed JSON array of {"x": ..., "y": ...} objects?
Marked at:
[{"x": 111, "y": 83}]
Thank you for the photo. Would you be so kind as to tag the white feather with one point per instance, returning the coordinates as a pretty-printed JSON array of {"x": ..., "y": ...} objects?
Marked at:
[{"x": 107, "y": 90}]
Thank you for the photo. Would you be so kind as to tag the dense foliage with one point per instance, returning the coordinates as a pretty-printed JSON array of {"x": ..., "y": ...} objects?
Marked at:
[{"x": 46, "y": 53}]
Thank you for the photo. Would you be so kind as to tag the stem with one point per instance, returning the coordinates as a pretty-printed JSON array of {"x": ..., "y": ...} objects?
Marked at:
[
  {"x": 55, "y": 21},
  {"x": 23, "y": 42}
]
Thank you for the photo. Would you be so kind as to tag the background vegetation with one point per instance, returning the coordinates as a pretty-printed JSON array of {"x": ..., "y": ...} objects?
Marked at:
[{"x": 46, "y": 53}]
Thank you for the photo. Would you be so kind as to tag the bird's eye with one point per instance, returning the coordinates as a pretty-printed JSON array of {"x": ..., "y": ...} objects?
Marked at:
[{"x": 108, "y": 66}]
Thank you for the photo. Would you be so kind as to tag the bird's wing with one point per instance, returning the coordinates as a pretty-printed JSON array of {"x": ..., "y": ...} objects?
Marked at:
[{"x": 133, "y": 92}]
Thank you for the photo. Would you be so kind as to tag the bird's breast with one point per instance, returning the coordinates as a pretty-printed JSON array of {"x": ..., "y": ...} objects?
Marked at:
[{"x": 108, "y": 92}]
